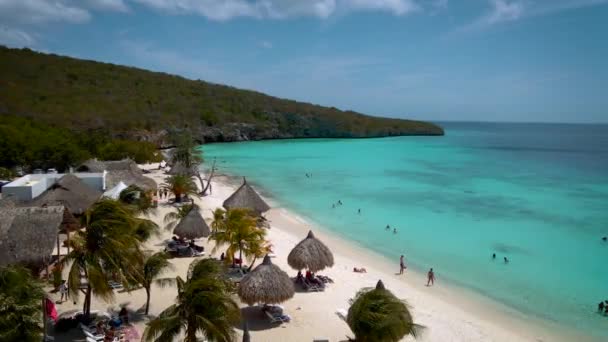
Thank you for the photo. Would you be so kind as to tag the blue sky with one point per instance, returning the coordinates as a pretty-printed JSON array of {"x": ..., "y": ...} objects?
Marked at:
[{"x": 480, "y": 60}]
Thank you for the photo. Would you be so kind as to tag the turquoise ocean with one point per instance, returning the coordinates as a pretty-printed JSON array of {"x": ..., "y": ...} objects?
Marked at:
[{"x": 535, "y": 193}]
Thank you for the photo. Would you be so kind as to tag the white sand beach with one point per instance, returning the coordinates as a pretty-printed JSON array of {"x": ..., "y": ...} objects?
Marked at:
[{"x": 447, "y": 312}]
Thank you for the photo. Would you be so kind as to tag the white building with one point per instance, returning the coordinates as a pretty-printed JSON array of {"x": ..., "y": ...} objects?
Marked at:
[{"x": 31, "y": 186}]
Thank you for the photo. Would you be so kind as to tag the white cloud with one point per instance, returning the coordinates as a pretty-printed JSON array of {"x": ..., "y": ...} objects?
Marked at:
[
  {"x": 40, "y": 11},
  {"x": 278, "y": 9},
  {"x": 106, "y": 5},
  {"x": 503, "y": 11},
  {"x": 15, "y": 38}
]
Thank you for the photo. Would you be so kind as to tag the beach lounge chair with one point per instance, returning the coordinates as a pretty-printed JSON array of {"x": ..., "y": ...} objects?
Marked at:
[
  {"x": 94, "y": 337},
  {"x": 342, "y": 313},
  {"x": 277, "y": 318},
  {"x": 115, "y": 285}
]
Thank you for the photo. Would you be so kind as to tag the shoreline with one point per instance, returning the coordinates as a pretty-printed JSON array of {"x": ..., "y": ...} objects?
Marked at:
[{"x": 494, "y": 314}]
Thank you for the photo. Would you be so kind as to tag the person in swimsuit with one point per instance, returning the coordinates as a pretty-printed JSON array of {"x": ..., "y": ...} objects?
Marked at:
[
  {"x": 401, "y": 265},
  {"x": 430, "y": 278}
]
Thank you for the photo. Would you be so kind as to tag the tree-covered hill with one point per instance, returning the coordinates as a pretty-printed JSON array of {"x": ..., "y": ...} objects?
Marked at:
[{"x": 131, "y": 103}]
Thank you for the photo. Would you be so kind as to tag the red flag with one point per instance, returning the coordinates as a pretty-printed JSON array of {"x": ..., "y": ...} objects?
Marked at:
[{"x": 50, "y": 309}]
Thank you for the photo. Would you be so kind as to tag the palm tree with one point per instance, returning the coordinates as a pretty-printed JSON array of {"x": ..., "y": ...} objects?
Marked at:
[
  {"x": 154, "y": 266},
  {"x": 238, "y": 229},
  {"x": 172, "y": 218},
  {"x": 180, "y": 185},
  {"x": 377, "y": 315},
  {"x": 108, "y": 249},
  {"x": 186, "y": 154},
  {"x": 204, "y": 305},
  {"x": 20, "y": 305},
  {"x": 218, "y": 220}
]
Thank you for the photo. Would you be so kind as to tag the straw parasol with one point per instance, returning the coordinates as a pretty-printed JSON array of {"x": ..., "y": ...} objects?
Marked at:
[
  {"x": 28, "y": 235},
  {"x": 311, "y": 254},
  {"x": 246, "y": 197},
  {"x": 192, "y": 226},
  {"x": 267, "y": 284},
  {"x": 69, "y": 191},
  {"x": 125, "y": 170}
]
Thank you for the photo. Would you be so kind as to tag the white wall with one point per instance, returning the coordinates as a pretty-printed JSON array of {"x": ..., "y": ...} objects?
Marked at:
[{"x": 29, "y": 187}]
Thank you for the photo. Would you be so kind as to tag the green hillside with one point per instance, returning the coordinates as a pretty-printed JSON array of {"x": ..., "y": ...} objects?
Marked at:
[{"x": 137, "y": 104}]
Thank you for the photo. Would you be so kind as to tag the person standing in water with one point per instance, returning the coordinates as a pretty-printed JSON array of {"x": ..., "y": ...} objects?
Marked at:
[
  {"x": 388, "y": 227},
  {"x": 430, "y": 278},
  {"x": 359, "y": 212},
  {"x": 493, "y": 256},
  {"x": 506, "y": 260},
  {"x": 395, "y": 231},
  {"x": 401, "y": 265}
]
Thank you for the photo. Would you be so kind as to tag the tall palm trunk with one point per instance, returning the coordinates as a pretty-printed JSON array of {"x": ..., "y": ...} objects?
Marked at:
[
  {"x": 240, "y": 255},
  {"x": 86, "y": 310},
  {"x": 147, "y": 287},
  {"x": 191, "y": 331},
  {"x": 252, "y": 263}
]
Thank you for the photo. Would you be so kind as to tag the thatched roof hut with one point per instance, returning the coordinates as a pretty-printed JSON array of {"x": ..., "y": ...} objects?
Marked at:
[
  {"x": 192, "y": 226},
  {"x": 125, "y": 170},
  {"x": 267, "y": 284},
  {"x": 70, "y": 192},
  {"x": 28, "y": 235},
  {"x": 180, "y": 169},
  {"x": 311, "y": 254},
  {"x": 246, "y": 197}
]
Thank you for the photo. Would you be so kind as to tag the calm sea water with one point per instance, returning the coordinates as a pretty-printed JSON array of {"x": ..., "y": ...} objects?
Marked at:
[{"x": 535, "y": 193}]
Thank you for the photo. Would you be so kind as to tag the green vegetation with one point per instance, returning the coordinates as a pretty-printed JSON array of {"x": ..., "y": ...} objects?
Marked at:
[
  {"x": 238, "y": 228},
  {"x": 20, "y": 305},
  {"x": 31, "y": 145},
  {"x": 108, "y": 249},
  {"x": 204, "y": 306},
  {"x": 82, "y": 95},
  {"x": 377, "y": 315},
  {"x": 153, "y": 267},
  {"x": 180, "y": 185}
]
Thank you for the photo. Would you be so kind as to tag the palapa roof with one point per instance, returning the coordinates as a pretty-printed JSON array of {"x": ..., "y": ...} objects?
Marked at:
[
  {"x": 311, "y": 254},
  {"x": 246, "y": 197},
  {"x": 70, "y": 192},
  {"x": 180, "y": 169},
  {"x": 28, "y": 235},
  {"x": 267, "y": 284},
  {"x": 192, "y": 226},
  {"x": 125, "y": 170}
]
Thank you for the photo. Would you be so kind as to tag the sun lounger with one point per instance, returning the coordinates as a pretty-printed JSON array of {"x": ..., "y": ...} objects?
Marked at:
[
  {"x": 115, "y": 285},
  {"x": 95, "y": 337},
  {"x": 277, "y": 318},
  {"x": 342, "y": 313}
]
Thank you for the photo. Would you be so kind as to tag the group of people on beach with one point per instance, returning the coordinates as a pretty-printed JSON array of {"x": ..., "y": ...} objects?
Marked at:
[
  {"x": 430, "y": 276},
  {"x": 162, "y": 193}
]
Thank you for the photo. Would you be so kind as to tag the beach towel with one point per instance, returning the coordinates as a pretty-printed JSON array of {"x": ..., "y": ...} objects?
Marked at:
[{"x": 51, "y": 311}]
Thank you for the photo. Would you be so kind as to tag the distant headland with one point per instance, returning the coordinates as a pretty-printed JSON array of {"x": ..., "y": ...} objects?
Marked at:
[{"x": 136, "y": 104}]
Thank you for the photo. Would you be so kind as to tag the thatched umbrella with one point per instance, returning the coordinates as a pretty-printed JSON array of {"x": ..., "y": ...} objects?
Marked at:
[
  {"x": 246, "y": 197},
  {"x": 267, "y": 284},
  {"x": 246, "y": 337},
  {"x": 192, "y": 226},
  {"x": 311, "y": 254},
  {"x": 69, "y": 191},
  {"x": 28, "y": 235}
]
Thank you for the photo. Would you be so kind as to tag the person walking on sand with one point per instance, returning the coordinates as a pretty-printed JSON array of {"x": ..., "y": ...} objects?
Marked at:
[
  {"x": 430, "y": 278},
  {"x": 401, "y": 265},
  {"x": 63, "y": 289}
]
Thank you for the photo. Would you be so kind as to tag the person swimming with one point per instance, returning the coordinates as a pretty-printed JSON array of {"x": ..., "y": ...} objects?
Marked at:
[
  {"x": 339, "y": 202},
  {"x": 493, "y": 256},
  {"x": 388, "y": 227},
  {"x": 506, "y": 260},
  {"x": 395, "y": 231},
  {"x": 359, "y": 211},
  {"x": 605, "y": 238}
]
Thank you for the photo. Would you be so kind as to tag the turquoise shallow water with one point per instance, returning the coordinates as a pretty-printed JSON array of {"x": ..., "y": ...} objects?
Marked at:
[{"x": 537, "y": 194}]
